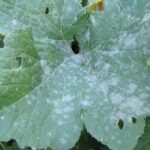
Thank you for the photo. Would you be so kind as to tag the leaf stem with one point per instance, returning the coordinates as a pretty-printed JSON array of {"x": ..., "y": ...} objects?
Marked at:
[{"x": 3, "y": 147}]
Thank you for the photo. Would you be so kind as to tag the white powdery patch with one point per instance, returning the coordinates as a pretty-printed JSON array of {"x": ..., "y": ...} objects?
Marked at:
[
  {"x": 116, "y": 98},
  {"x": 2, "y": 117},
  {"x": 114, "y": 81},
  {"x": 60, "y": 122},
  {"x": 56, "y": 103},
  {"x": 29, "y": 102},
  {"x": 58, "y": 111},
  {"x": 63, "y": 141},
  {"x": 127, "y": 40},
  {"x": 49, "y": 134},
  {"x": 70, "y": 10},
  {"x": 90, "y": 78},
  {"x": 48, "y": 101},
  {"x": 119, "y": 115},
  {"x": 132, "y": 88},
  {"x": 14, "y": 22},
  {"x": 55, "y": 91},
  {"x": 87, "y": 35},
  {"x": 144, "y": 95},
  {"x": 94, "y": 21},
  {"x": 146, "y": 18},
  {"x": 104, "y": 86},
  {"x": 85, "y": 103},
  {"x": 133, "y": 104},
  {"x": 46, "y": 69},
  {"x": 79, "y": 58},
  {"x": 67, "y": 98},
  {"x": 119, "y": 142},
  {"x": 65, "y": 116},
  {"x": 68, "y": 109}
]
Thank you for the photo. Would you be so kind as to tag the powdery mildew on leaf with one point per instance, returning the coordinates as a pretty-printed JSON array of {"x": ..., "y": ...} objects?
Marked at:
[{"x": 106, "y": 89}]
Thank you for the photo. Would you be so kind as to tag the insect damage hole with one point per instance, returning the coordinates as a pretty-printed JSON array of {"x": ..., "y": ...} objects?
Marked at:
[
  {"x": 75, "y": 46},
  {"x": 121, "y": 124},
  {"x": 2, "y": 41},
  {"x": 134, "y": 120},
  {"x": 16, "y": 62},
  {"x": 46, "y": 10},
  {"x": 19, "y": 60}
]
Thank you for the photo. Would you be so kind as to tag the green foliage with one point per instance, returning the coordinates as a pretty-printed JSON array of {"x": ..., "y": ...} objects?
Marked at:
[{"x": 49, "y": 95}]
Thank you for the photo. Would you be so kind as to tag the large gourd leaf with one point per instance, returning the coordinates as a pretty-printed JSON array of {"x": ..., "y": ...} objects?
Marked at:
[
  {"x": 106, "y": 89},
  {"x": 50, "y": 31},
  {"x": 119, "y": 61}
]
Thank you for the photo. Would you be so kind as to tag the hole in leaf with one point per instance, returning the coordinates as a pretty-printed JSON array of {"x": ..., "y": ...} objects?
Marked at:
[
  {"x": 19, "y": 60},
  {"x": 75, "y": 46},
  {"x": 121, "y": 124},
  {"x": 16, "y": 62},
  {"x": 134, "y": 120},
  {"x": 46, "y": 10},
  {"x": 84, "y": 3},
  {"x": 2, "y": 41}
]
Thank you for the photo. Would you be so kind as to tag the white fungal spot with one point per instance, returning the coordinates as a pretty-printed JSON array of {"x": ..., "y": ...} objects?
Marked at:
[
  {"x": 48, "y": 101},
  {"x": 94, "y": 21},
  {"x": 133, "y": 104},
  {"x": 58, "y": 111},
  {"x": 29, "y": 102},
  {"x": 63, "y": 141},
  {"x": 78, "y": 58},
  {"x": 67, "y": 98},
  {"x": 68, "y": 109},
  {"x": 49, "y": 134},
  {"x": 115, "y": 81},
  {"x": 85, "y": 103},
  {"x": 119, "y": 142},
  {"x": 116, "y": 98},
  {"x": 60, "y": 123},
  {"x": 14, "y": 22},
  {"x": 132, "y": 88},
  {"x": 2, "y": 117}
]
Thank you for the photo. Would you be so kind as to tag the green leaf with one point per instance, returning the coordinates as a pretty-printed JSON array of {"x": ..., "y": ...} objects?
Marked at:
[
  {"x": 119, "y": 61},
  {"x": 106, "y": 88},
  {"x": 19, "y": 65}
]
